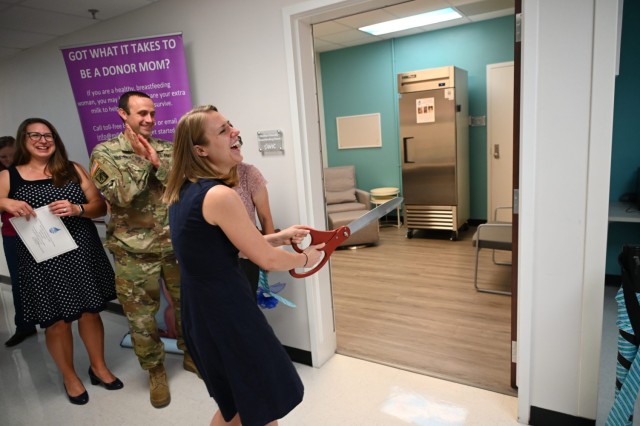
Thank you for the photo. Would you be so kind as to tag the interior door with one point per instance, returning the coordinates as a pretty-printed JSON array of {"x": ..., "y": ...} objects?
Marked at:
[
  {"x": 500, "y": 139},
  {"x": 516, "y": 185}
]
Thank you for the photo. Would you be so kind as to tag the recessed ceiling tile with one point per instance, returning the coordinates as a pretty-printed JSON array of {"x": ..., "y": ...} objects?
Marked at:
[
  {"x": 367, "y": 18},
  {"x": 417, "y": 7},
  {"x": 457, "y": 3},
  {"x": 330, "y": 27},
  {"x": 492, "y": 15},
  {"x": 106, "y": 9},
  {"x": 43, "y": 22},
  {"x": 349, "y": 36},
  {"x": 363, "y": 41},
  {"x": 446, "y": 24},
  {"x": 6, "y": 52},
  {"x": 16, "y": 39},
  {"x": 320, "y": 45},
  {"x": 487, "y": 6}
]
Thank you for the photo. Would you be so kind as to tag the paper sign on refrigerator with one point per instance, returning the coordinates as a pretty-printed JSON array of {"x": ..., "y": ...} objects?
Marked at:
[{"x": 425, "y": 110}]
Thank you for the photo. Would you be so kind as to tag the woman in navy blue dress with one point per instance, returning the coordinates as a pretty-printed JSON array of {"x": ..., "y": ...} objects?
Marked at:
[{"x": 241, "y": 361}]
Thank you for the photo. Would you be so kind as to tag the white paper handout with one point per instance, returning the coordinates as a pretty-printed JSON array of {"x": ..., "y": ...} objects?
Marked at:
[
  {"x": 425, "y": 110},
  {"x": 44, "y": 235}
]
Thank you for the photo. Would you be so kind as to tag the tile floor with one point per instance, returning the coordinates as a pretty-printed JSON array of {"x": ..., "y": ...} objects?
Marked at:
[{"x": 345, "y": 391}]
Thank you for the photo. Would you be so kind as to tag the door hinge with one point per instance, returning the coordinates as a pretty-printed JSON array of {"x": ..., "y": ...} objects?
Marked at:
[
  {"x": 518, "y": 27},
  {"x": 516, "y": 199},
  {"x": 514, "y": 351}
]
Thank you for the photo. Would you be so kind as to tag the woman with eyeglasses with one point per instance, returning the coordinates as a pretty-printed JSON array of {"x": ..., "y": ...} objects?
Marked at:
[{"x": 75, "y": 285}]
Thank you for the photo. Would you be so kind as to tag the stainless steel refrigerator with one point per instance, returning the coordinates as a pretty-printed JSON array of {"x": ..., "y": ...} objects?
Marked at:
[{"x": 434, "y": 145}]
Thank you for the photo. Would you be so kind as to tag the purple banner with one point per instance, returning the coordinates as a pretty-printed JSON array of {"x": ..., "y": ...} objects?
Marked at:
[{"x": 101, "y": 73}]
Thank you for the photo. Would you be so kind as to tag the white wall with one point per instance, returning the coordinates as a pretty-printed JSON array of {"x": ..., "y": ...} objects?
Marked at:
[
  {"x": 239, "y": 58},
  {"x": 567, "y": 108},
  {"x": 236, "y": 61}
]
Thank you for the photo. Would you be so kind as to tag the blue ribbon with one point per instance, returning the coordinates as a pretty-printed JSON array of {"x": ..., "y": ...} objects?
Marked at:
[{"x": 267, "y": 296}]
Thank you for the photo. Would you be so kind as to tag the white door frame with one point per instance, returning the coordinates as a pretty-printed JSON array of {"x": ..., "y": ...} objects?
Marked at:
[
  {"x": 305, "y": 119},
  {"x": 298, "y": 19}
]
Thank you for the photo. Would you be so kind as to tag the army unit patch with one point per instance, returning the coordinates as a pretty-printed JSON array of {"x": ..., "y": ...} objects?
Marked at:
[{"x": 100, "y": 176}]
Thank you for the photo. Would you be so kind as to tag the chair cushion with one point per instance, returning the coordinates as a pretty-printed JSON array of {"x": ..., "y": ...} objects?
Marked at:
[
  {"x": 345, "y": 207},
  {"x": 493, "y": 236},
  {"x": 346, "y": 196},
  {"x": 367, "y": 235}
]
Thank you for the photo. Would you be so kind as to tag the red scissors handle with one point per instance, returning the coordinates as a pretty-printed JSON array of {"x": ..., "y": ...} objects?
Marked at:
[{"x": 332, "y": 240}]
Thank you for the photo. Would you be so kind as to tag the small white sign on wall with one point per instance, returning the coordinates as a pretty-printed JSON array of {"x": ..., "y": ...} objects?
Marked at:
[{"x": 359, "y": 131}]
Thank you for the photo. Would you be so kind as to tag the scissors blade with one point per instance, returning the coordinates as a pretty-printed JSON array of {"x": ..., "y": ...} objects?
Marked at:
[{"x": 374, "y": 214}]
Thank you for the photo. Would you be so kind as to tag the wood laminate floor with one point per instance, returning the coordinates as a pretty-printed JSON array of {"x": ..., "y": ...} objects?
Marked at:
[{"x": 411, "y": 304}]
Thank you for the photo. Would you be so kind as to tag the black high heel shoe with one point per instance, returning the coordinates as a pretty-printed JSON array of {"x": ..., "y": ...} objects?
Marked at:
[
  {"x": 95, "y": 380},
  {"x": 81, "y": 399}
]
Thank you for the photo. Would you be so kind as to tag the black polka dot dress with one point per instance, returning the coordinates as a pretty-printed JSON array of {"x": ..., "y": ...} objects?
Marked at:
[{"x": 66, "y": 286}]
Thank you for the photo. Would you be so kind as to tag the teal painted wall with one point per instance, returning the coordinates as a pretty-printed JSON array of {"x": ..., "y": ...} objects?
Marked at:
[
  {"x": 362, "y": 80},
  {"x": 625, "y": 154},
  {"x": 357, "y": 81}
]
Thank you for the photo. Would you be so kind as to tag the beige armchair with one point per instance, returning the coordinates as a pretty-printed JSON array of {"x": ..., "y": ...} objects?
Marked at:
[{"x": 345, "y": 203}]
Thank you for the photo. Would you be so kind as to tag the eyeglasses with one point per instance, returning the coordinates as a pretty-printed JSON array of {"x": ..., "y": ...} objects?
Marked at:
[{"x": 35, "y": 136}]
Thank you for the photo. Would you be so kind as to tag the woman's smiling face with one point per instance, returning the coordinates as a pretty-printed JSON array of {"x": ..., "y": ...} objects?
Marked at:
[
  {"x": 223, "y": 148},
  {"x": 39, "y": 141}
]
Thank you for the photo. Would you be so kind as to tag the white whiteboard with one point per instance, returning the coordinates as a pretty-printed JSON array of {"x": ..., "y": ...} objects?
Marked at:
[{"x": 359, "y": 131}]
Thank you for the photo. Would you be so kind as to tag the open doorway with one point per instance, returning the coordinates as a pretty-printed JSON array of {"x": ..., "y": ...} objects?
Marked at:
[
  {"x": 376, "y": 291},
  {"x": 541, "y": 129}
]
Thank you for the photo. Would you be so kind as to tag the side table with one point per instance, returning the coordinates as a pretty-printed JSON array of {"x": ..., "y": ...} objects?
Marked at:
[{"x": 382, "y": 195}]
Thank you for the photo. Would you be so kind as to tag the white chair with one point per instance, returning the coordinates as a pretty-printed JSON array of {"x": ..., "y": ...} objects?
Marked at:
[{"x": 495, "y": 236}]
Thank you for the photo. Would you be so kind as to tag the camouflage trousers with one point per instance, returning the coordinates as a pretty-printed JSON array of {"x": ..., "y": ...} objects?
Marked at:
[{"x": 138, "y": 290}]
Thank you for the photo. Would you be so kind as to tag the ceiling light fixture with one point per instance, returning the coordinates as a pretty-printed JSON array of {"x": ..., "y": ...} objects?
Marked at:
[{"x": 414, "y": 21}]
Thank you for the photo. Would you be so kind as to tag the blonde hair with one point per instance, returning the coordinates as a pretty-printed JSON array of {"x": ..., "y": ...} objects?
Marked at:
[{"x": 186, "y": 164}]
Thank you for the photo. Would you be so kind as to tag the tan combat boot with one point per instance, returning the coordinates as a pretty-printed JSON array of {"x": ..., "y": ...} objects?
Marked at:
[
  {"x": 159, "y": 388},
  {"x": 189, "y": 365}
]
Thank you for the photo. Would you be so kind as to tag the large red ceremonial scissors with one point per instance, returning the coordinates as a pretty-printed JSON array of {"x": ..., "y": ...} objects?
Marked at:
[{"x": 332, "y": 239}]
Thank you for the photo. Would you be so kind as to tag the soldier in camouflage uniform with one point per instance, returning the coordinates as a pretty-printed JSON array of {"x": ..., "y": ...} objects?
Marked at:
[{"x": 131, "y": 172}]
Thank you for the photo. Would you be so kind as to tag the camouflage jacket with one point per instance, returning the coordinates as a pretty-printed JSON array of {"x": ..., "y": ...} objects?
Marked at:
[{"x": 133, "y": 187}]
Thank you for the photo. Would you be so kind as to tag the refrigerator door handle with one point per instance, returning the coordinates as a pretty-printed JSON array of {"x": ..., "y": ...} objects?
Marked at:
[{"x": 404, "y": 147}]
